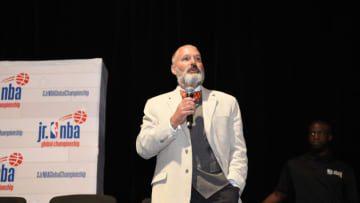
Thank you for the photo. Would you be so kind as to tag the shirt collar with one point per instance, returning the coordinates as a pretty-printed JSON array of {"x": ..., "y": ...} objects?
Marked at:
[{"x": 198, "y": 88}]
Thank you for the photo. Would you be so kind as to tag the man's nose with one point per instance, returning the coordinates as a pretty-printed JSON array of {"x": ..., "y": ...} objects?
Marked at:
[{"x": 193, "y": 60}]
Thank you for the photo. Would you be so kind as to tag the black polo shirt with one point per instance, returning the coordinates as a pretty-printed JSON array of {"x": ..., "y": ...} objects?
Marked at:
[{"x": 313, "y": 179}]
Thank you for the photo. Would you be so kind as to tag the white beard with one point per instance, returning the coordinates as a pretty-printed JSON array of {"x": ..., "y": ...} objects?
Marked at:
[{"x": 186, "y": 79}]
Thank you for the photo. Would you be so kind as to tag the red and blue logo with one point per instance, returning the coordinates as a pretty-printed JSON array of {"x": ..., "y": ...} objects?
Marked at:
[
  {"x": 7, "y": 171},
  {"x": 11, "y": 90},
  {"x": 65, "y": 132}
]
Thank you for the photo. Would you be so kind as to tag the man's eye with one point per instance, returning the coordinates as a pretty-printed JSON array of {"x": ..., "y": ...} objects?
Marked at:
[{"x": 186, "y": 58}]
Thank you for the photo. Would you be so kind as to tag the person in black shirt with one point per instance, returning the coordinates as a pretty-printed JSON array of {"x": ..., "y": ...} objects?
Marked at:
[{"x": 316, "y": 177}]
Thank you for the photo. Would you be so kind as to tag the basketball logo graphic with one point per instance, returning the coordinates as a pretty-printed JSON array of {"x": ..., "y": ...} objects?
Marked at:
[
  {"x": 15, "y": 159},
  {"x": 22, "y": 79},
  {"x": 80, "y": 117}
]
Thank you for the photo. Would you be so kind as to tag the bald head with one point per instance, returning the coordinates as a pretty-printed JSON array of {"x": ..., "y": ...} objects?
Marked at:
[
  {"x": 325, "y": 125},
  {"x": 181, "y": 49}
]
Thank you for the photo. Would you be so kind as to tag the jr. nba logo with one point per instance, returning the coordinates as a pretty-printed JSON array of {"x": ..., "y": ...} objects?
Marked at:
[{"x": 66, "y": 128}]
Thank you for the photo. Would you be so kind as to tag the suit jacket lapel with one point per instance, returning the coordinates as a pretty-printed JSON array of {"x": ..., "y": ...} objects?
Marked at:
[
  {"x": 209, "y": 102},
  {"x": 174, "y": 99}
]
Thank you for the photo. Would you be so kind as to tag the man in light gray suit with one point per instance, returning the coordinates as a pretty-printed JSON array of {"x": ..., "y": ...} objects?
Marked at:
[{"x": 204, "y": 159}]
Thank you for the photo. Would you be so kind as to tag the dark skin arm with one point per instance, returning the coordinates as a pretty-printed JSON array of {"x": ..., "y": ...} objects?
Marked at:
[{"x": 275, "y": 197}]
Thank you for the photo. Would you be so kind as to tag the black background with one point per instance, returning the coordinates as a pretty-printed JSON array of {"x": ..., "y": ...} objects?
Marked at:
[{"x": 286, "y": 63}]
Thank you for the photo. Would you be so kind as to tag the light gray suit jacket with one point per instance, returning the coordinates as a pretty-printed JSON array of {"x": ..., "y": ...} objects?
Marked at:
[{"x": 223, "y": 127}]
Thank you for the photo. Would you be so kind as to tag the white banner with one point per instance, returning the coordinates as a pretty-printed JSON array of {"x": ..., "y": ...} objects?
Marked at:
[{"x": 52, "y": 117}]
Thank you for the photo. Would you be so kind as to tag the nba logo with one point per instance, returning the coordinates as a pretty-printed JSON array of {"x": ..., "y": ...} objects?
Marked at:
[
  {"x": 12, "y": 92},
  {"x": 8, "y": 174}
]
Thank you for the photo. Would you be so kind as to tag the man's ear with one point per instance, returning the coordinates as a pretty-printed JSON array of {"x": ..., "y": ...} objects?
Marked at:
[
  {"x": 173, "y": 70},
  {"x": 330, "y": 138}
]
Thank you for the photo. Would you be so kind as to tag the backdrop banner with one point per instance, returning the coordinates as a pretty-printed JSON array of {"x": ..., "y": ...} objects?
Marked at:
[{"x": 52, "y": 128}]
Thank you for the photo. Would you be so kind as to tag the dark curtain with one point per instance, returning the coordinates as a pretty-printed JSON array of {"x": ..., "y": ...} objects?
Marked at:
[{"x": 286, "y": 63}]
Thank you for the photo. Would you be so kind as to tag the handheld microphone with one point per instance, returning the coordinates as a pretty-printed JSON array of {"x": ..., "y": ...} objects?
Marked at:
[{"x": 189, "y": 93}]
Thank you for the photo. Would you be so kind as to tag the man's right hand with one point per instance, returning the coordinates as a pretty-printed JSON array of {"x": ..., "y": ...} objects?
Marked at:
[{"x": 185, "y": 108}]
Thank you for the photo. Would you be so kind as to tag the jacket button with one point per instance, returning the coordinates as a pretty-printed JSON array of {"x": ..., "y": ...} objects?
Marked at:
[
  {"x": 186, "y": 151},
  {"x": 187, "y": 171}
]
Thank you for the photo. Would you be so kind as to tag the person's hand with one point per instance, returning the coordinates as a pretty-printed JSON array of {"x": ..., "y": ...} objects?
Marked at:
[{"x": 185, "y": 108}]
